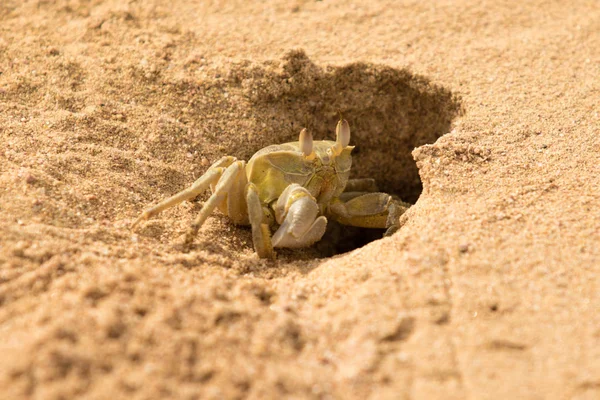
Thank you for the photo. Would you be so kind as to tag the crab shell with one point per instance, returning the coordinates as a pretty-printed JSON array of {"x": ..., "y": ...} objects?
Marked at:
[{"x": 323, "y": 173}]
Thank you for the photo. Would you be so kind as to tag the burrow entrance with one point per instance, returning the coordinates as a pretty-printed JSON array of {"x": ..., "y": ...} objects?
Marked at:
[{"x": 390, "y": 112}]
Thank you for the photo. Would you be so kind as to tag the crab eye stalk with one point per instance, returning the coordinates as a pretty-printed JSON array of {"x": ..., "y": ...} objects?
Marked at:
[
  {"x": 342, "y": 136},
  {"x": 306, "y": 143}
]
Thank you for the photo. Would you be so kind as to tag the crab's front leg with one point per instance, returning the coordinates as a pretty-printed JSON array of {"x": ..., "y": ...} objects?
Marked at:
[
  {"x": 368, "y": 210},
  {"x": 258, "y": 217}
]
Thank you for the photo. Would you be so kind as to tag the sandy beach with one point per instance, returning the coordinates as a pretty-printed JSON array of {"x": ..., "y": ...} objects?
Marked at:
[{"x": 483, "y": 114}]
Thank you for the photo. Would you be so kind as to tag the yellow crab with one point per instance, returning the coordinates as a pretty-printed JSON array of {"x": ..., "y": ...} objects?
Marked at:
[{"x": 292, "y": 189}]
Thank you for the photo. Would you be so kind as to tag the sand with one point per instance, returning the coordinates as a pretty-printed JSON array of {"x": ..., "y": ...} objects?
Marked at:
[{"x": 482, "y": 113}]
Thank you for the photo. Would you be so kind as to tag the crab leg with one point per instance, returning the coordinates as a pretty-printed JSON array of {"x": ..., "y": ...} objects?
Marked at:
[
  {"x": 219, "y": 195},
  {"x": 211, "y": 176},
  {"x": 368, "y": 210},
  {"x": 361, "y": 185},
  {"x": 261, "y": 235}
]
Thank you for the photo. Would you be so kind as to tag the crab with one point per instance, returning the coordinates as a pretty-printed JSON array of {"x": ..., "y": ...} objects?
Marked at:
[{"x": 287, "y": 193}]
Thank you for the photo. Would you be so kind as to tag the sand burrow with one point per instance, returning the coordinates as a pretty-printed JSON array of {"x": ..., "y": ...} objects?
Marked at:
[{"x": 390, "y": 111}]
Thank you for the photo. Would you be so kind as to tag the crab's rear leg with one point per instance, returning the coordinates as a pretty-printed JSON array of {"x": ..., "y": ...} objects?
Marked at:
[
  {"x": 368, "y": 210},
  {"x": 232, "y": 177},
  {"x": 361, "y": 185},
  {"x": 210, "y": 177}
]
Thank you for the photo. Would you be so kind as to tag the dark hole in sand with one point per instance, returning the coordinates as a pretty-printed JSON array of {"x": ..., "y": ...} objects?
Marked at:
[{"x": 390, "y": 111}]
